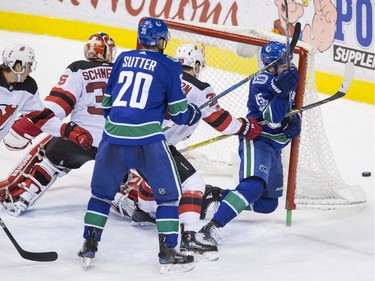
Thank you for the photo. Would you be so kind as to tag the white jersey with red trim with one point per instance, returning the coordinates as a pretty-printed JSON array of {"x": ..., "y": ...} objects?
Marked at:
[
  {"x": 198, "y": 93},
  {"x": 79, "y": 93},
  {"x": 16, "y": 99}
]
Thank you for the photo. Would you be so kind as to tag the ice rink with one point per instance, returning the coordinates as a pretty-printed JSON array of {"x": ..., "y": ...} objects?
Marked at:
[{"x": 320, "y": 245}]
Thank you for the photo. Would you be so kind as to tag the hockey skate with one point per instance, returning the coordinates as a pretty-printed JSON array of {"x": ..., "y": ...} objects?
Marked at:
[
  {"x": 143, "y": 219},
  {"x": 172, "y": 260},
  {"x": 210, "y": 232},
  {"x": 90, "y": 246},
  {"x": 211, "y": 195},
  {"x": 192, "y": 243}
]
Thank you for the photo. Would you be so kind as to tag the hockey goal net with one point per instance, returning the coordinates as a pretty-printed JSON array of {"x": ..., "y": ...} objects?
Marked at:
[{"x": 311, "y": 174}]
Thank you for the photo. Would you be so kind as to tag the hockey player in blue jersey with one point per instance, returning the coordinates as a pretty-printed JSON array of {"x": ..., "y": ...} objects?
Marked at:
[
  {"x": 261, "y": 173},
  {"x": 143, "y": 86}
]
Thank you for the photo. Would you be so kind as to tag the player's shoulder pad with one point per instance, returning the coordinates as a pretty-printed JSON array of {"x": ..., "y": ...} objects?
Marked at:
[
  {"x": 172, "y": 58},
  {"x": 84, "y": 64},
  {"x": 194, "y": 81},
  {"x": 29, "y": 85},
  {"x": 261, "y": 79}
]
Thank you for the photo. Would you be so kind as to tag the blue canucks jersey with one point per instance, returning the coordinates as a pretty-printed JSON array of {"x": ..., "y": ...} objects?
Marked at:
[
  {"x": 263, "y": 105},
  {"x": 143, "y": 87}
]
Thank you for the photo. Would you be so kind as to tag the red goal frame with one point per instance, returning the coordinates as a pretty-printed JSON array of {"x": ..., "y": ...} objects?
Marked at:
[{"x": 302, "y": 69}]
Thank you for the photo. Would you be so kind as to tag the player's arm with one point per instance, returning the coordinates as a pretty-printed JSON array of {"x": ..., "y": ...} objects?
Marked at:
[
  {"x": 24, "y": 130},
  {"x": 224, "y": 122},
  {"x": 282, "y": 86},
  {"x": 64, "y": 95}
]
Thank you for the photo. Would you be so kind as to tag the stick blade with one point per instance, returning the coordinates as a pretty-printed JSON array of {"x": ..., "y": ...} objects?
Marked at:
[
  {"x": 40, "y": 257},
  {"x": 348, "y": 77}
]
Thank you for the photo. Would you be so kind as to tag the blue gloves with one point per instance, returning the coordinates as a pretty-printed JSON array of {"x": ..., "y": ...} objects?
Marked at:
[
  {"x": 285, "y": 82},
  {"x": 195, "y": 114},
  {"x": 292, "y": 126}
]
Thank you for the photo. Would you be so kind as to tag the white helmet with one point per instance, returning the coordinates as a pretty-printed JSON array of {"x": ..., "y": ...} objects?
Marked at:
[
  {"x": 189, "y": 54},
  {"x": 100, "y": 46},
  {"x": 19, "y": 52}
]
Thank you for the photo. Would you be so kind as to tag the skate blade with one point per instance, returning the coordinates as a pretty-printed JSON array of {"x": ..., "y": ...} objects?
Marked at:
[
  {"x": 143, "y": 224},
  {"x": 86, "y": 262},
  {"x": 175, "y": 268},
  {"x": 205, "y": 256}
]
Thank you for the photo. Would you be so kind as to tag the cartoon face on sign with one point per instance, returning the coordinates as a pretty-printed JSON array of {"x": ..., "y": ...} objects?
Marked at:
[{"x": 320, "y": 33}]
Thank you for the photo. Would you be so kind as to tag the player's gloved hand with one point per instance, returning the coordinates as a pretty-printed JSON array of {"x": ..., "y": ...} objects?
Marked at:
[
  {"x": 195, "y": 114},
  {"x": 71, "y": 131},
  {"x": 292, "y": 126},
  {"x": 21, "y": 134},
  {"x": 283, "y": 83},
  {"x": 250, "y": 128}
]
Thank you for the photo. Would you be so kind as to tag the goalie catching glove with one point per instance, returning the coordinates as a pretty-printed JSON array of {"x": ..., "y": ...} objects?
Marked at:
[
  {"x": 21, "y": 134},
  {"x": 73, "y": 132},
  {"x": 250, "y": 128}
]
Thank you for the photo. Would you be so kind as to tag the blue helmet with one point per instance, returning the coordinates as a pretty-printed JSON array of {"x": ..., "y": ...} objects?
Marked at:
[
  {"x": 150, "y": 30},
  {"x": 272, "y": 51}
]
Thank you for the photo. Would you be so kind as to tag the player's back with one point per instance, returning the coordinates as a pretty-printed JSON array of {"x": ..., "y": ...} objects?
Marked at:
[
  {"x": 143, "y": 83},
  {"x": 80, "y": 93}
]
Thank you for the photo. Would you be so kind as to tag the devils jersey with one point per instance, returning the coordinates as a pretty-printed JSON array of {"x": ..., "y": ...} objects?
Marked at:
[
  {"x": 16, "y": 99},
  {"x": 78, "y": 93},
  {"x": 198, "y": 93},
  {"x": 143, "y": 87}
]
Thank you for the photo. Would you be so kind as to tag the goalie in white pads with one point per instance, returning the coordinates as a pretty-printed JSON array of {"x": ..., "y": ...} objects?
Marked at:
[
  {"x": 193, "y": 186},
  {"x": 78, "y": 93},
  {"x": 261, "y": 173}
]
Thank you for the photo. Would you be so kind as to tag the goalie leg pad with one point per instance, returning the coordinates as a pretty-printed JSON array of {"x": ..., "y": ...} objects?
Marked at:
[
  {"x": 40, "y": 179},
  {"x": 125, "y": 200},
  {"x": 23, "y": 168}
]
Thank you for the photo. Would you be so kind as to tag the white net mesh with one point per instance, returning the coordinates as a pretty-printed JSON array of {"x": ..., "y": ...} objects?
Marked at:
[{"x": 318, "y": 181}]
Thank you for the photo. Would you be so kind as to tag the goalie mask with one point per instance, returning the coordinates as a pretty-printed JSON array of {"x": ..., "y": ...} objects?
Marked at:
[
  {"x": 21, "y": 53},
  {"x": 189, "y": 55},
  {"x": 272, "y": 51},
  {"x": 100, "y": 46}
]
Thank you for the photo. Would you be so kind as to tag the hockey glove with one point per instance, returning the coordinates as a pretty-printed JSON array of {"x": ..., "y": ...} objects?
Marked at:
[
  {"x": 292, "y": 126},
  {"x": 21, "y": 134},
  {"x": 283, "y": 83},
  {"x": 195, "y": 114},
  {"x": 71, "y": 131},
  {"x": 250, "y": 128}
]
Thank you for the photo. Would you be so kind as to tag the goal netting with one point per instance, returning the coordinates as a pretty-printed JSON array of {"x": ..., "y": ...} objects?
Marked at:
[{"x": 311, "y": 174}]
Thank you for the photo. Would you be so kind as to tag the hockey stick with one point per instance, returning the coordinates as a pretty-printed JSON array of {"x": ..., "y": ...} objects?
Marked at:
[
  {"x": 43, "y": 256},
  {"x": 203, "y": 143},
  {"x": 345, "y": 84},
  {"x": 287, "y": 30},
  {"x": 293, "y": 44}
]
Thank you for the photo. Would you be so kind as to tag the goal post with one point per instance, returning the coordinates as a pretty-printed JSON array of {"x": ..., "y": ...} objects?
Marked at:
[{"x": 231, "y": 53}]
